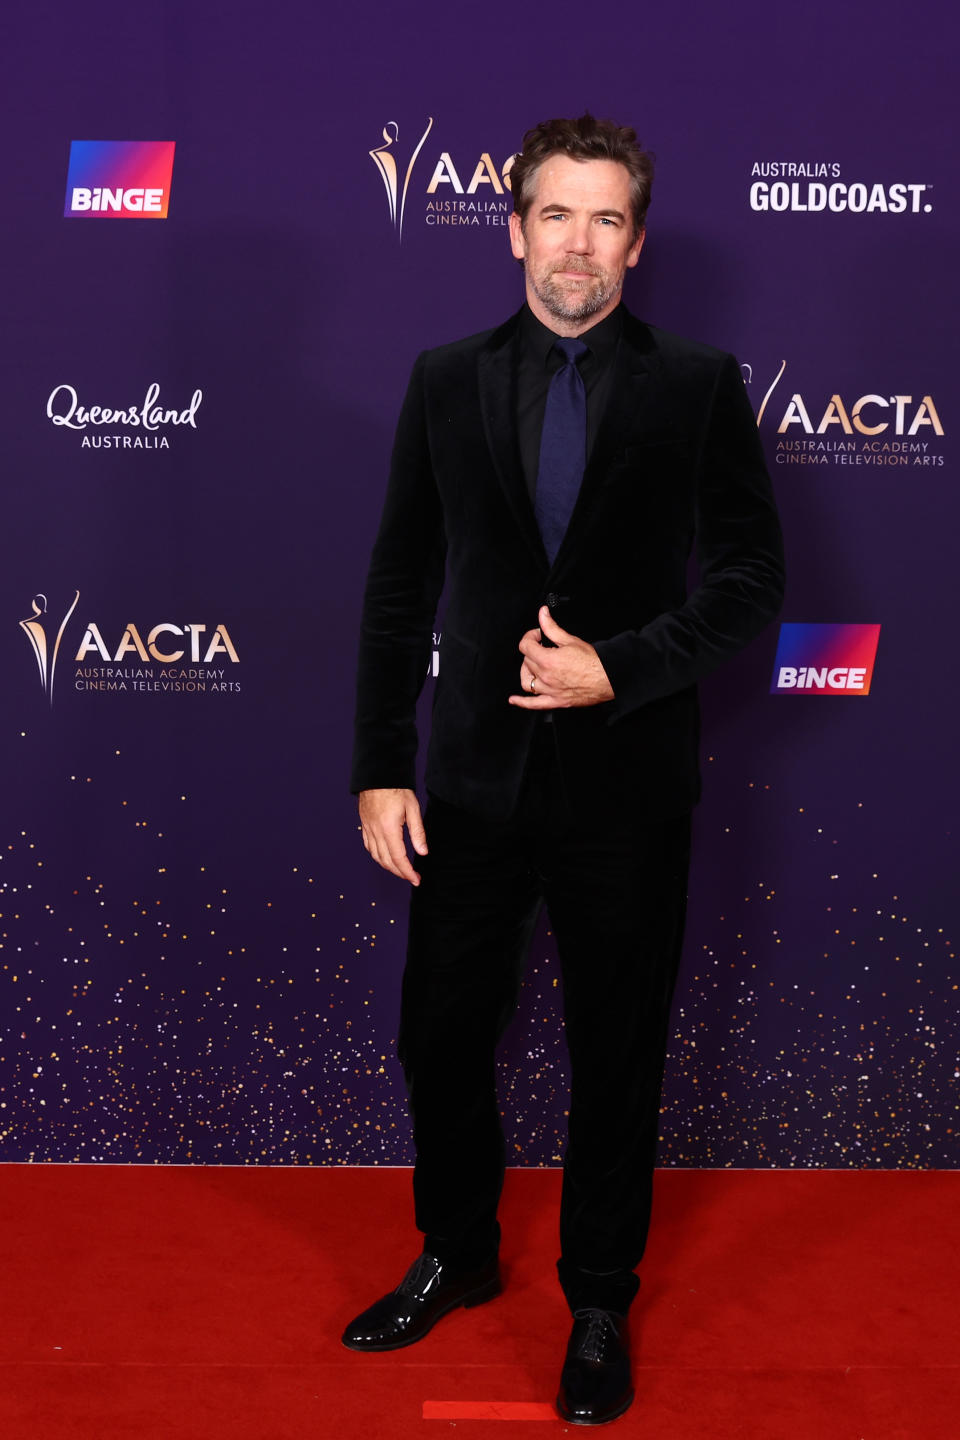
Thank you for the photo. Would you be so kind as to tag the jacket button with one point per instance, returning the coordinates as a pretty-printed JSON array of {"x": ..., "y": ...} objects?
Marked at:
[{"x": 552, "y": 599}]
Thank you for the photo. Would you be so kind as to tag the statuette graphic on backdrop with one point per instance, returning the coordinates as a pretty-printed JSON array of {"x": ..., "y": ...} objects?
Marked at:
[
  {"x": 35, "y": 627},
  {"x": 385, "y": 158}
]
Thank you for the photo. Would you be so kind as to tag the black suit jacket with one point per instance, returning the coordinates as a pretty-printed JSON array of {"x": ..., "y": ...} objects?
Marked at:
[{"x": 677, "y": 461}]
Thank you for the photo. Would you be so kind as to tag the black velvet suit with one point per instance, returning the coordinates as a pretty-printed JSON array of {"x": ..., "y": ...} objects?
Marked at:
[
  {"x": 677, "y": 458},
  {"x": 587, "y": 809}
]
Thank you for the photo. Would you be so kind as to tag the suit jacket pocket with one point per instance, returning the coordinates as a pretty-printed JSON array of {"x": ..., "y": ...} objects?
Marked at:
[
  {"x": 456, "y": 678},
  {"x": 652, "y": 483},
  {"x": 639, "y": 452}
]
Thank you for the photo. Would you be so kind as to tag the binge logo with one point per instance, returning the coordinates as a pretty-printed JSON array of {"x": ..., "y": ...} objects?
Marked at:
[
  {"x": 129, "y": 179},
  {"x": 825, "y": 659}
]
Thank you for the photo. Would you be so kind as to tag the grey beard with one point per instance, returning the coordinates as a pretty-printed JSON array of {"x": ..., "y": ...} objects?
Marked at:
[{"x": 574, "y": 307}]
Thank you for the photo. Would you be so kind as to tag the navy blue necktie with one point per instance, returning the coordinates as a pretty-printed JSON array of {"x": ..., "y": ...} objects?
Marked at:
[{"x": 563, "y": 448}]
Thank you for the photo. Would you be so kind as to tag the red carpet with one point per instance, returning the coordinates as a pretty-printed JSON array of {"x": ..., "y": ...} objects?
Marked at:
[{"x": 195, "y": 1304}]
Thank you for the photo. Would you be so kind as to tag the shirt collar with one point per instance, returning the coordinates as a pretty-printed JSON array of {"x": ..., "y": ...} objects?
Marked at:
[{"x": 601, "y": 339}]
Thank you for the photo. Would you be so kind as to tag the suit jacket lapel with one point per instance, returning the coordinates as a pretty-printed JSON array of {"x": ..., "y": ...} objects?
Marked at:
[{"x": 497, "y": 377}]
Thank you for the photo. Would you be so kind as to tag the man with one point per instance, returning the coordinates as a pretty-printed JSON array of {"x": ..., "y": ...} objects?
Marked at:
[{"x": 555, "y": 471}]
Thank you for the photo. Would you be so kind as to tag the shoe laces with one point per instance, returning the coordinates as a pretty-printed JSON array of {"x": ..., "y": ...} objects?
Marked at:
[
  {"x": 422, "y": 1270},
  {"x": 600, "y": 1325}
]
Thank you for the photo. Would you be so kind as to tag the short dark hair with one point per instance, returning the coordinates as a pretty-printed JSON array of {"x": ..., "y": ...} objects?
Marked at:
[{"x": 583, "y": 139}]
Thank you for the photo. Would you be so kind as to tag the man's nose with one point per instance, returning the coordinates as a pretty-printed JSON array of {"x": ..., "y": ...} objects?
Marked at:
[{"x": 580, "y": 238}]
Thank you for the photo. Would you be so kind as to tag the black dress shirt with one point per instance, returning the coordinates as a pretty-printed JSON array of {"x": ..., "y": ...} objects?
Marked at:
[{"x": 539, "y": 362}]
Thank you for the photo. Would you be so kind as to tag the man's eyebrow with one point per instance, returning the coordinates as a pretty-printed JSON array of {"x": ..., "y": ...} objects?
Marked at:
[{"x": 566, "y": 210}]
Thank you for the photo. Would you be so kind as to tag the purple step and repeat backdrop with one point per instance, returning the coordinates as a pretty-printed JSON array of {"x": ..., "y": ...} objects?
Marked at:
[{"x": 198, "y": 963}]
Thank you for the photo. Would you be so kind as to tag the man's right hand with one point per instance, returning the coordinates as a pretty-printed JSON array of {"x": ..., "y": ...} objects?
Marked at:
[{"x": 383, "y": 814}]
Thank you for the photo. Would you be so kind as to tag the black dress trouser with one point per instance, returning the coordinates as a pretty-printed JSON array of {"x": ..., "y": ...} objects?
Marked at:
[{"x": 615, "y": 889}]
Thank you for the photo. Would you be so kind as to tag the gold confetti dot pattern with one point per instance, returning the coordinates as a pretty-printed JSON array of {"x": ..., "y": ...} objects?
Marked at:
[{"x": 815, "y": 1022}]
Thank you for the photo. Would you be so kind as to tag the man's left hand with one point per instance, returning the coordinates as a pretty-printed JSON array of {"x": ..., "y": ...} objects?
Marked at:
[{"x": 557, "y": 678}]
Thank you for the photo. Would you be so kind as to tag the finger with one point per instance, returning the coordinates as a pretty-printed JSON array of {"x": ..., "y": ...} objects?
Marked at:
[
  {"x": 393, "y": 853},
  {"x": 404, "y": 869},
  {"x": 374, "y": 850},
  {"x": 533, "y": 702},
  {"x": 415, "y": 827},
  {"x": 551, "y": 629},
  {"x": 390, "y": 853},
  {"x": 530, "y": 644},
  {"x": 397, "y": 861}
]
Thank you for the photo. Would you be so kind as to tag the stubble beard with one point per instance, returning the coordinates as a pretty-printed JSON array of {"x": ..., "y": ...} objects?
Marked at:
[{"x": 566, "y": 304}]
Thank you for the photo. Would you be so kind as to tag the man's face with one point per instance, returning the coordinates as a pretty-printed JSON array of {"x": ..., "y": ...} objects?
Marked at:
[{"x": 577, "y": 243}]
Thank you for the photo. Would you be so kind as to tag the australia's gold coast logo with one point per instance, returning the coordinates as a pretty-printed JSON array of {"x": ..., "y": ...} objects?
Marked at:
[{"x": 45, "y": 636}]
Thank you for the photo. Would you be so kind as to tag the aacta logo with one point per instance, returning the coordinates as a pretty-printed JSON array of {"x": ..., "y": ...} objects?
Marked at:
[
  {"x": 385, "y": 158},
  {"x": 45, "y": 637},
  {"x": 445, "y": 181},
  {"x": 158, "y": 644},
  {"x": 184, "y": 653},
  {"x": 126, "y": 179},
  {"x": 825, "y": 659},
  {"x": 868, "y": 414}
]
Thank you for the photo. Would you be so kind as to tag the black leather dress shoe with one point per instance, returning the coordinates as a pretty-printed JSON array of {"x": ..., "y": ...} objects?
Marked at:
[
  {"x": 427, "y": 1291},
  {"x": 595, "y": 1384}
]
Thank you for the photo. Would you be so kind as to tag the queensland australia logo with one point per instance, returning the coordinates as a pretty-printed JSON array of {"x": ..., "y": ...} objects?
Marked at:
[
  {"x": 819, "y": 426},
  {"x": 820, "y": 187},
  {"x": 119, "y": 179},
  {"x": 448, "y": 189},
  {"x": 140, "y": 426},
  {"x": 825, "y": 659},
  {"x": 189, "y": 657}
]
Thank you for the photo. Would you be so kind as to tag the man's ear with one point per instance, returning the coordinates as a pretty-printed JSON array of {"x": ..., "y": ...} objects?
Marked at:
[
  {"x": 517, "y": 242},
  {"x": 633, "y": 254}
]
